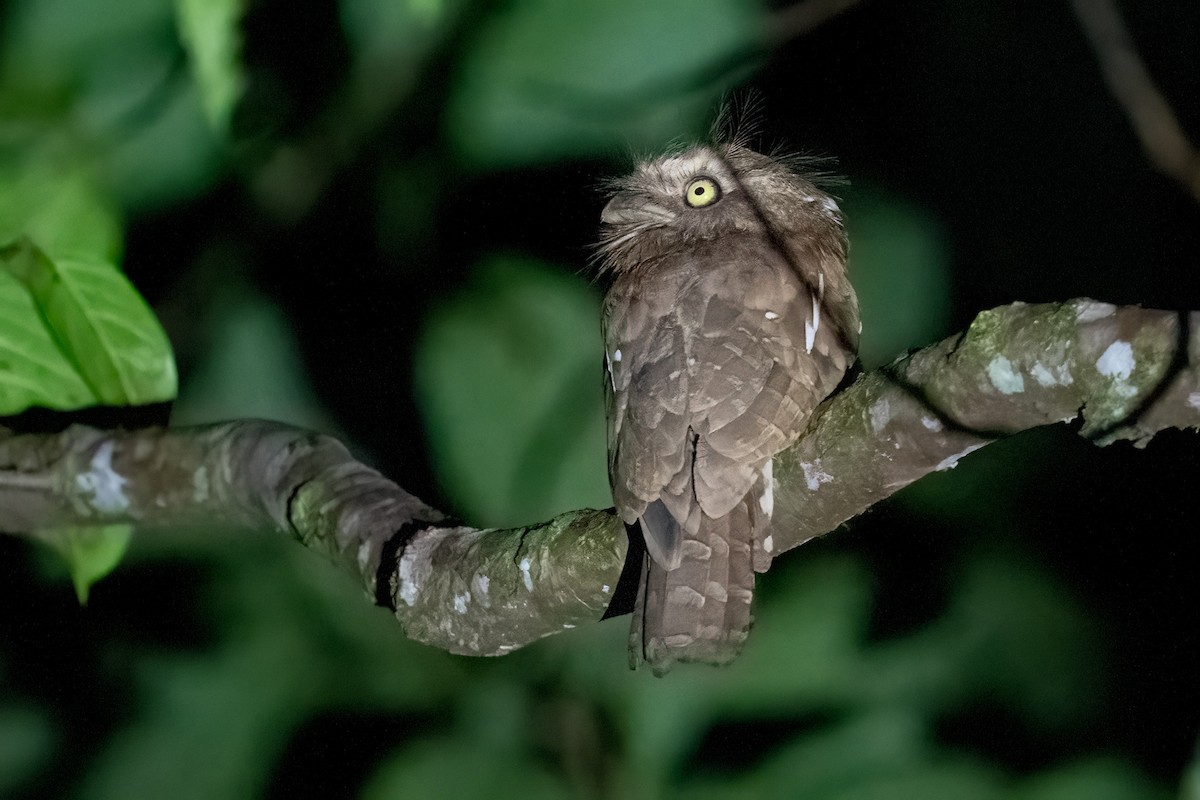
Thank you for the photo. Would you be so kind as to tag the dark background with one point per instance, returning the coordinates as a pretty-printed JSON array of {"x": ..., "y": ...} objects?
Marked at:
[{"x": 387, "y": 237}]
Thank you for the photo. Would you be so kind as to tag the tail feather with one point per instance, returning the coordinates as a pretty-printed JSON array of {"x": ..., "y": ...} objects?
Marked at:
[{"x": 700, "y": 610}]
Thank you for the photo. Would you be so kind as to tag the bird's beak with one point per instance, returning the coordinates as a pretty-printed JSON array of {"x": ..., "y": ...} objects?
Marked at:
[{"x": 631, "y": 207}]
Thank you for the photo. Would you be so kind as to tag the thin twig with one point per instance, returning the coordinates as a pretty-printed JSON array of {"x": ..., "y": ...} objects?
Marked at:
[
  {"x": 801, "y": 18},
  {"x": 1163, "y": 140}
]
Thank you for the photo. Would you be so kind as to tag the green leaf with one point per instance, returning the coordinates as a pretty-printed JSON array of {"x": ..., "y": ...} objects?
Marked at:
[
  {"x": 550, "y": 79},
  {"x": 100, "y": 325},
  {"x": 211, "y": 34},
  {"x": 91, "y": 552},
  {"x": 33, "y": 370},
  {"x": 508, "y": 379}
]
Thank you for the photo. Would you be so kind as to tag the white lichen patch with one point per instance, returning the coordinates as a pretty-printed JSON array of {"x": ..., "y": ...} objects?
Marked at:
[
  {"x": 408, "y": 590},
  {"x": 881, "y": 415},
  {"x": 950, "y": 462},
  {"x": 105, "y": 485},
  {"x": 931, "y": 423},
  {"x": 200, "y": 485},
  {"x": 526, "y": 576},
  {"x": 1004, "y": 376},
  {"x": 1117, "y": 361},
  {"x": 815, "y": 475},
  {"x": 461, "y": 601},
  {"x": 1090, "y": 310},
  {"x": 479, "y": 586},
  {"x": 1060, "y": 376}
]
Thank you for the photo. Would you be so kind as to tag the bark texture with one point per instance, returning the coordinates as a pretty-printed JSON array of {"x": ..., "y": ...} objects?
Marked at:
[{"x": 1118, "y": 373}]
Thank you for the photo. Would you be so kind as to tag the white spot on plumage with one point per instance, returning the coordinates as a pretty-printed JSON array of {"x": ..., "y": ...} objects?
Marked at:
[
  {"x": 766, "y": 500},
  {"x": 1004, "y": 376}
]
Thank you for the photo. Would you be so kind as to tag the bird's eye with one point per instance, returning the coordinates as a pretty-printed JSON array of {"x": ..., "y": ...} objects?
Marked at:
[{"x": 702, "y": 192}]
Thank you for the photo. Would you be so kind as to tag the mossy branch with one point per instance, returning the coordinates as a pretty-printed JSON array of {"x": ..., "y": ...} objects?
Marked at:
[{"x": 1121, "y": 373}]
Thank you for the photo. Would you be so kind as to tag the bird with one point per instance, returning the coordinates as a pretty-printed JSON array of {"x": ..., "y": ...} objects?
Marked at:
[{"x": 729, "y": 318}]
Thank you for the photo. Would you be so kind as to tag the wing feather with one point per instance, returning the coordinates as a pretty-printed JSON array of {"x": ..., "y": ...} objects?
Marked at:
[{"x": 717, "y": 360}]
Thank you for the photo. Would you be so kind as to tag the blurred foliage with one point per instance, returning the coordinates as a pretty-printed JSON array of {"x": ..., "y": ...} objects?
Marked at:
[
  {"x": 91, "y": 552},
  {"x": 899, "y": 262},
  {"x": 371, "y": 216},
  {"x": 252, "y": 369},
  {"x": 520, "y": 345},
  {"x": 211, "y": 33},
  {"x": 553, "y": 79}
]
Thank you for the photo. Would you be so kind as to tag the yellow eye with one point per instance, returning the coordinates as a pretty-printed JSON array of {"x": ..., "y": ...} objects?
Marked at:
[{"x": 702, "y": 192}]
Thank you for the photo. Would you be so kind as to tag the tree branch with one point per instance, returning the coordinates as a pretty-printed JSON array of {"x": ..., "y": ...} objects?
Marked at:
[{"x": 1125, "y": 373}]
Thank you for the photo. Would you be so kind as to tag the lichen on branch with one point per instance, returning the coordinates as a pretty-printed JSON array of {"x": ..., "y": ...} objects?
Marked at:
[{"x": 1120, "y": 372}]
